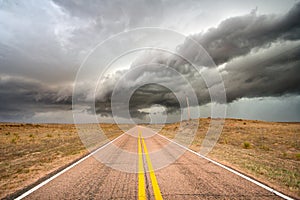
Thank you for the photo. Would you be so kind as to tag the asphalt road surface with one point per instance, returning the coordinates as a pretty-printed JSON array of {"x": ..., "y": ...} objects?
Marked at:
[{"x": 141, "y": 164}]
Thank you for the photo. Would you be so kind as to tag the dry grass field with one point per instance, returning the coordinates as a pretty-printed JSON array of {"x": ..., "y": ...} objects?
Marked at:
[
  {"x": 31, "y": 151},
  {"x": 268, "y": 151}
]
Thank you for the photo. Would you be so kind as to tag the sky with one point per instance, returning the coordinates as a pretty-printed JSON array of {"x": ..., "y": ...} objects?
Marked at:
[{"x": 253, "y": 45}]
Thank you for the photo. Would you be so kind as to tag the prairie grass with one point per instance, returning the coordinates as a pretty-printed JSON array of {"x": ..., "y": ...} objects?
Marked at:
[
  {"x": 31, "y": 151},
  {"x": 268, "y": 151}
]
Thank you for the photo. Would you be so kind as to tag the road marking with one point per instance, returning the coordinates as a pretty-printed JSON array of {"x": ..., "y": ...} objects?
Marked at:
[
  {"x": 65, "y": 170},
  {"x": 141, "y": 176},
  {"x": 105, "y": 145},
  {"x": 232, "y": 170},
  {"x": 154, "y": 183}
]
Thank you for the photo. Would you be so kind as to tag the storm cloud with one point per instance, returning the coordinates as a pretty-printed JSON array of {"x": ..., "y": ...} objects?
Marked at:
[
  {"x": 42, "y": 45},
  {"x": 257, "y": 56},
  {"x": 237, "y": 36},
  {"x": 20, "y": 98}
]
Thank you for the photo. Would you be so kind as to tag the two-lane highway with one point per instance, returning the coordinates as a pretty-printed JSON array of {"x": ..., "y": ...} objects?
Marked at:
[{"x": 141, "y": 164}]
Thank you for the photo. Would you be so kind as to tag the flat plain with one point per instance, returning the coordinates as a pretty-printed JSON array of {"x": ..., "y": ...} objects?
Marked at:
[{"x": 267, "y": 151}]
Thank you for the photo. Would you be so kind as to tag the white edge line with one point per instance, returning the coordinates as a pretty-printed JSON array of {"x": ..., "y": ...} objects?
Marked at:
[
  {"x": 64, "y": 170},
  {"x": 232, "y": 170}
]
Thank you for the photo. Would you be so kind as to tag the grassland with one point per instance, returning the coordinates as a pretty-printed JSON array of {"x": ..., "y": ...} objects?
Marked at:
[
  {"x": 31, "y": 151},
  {"x": 268, "y": 151}
]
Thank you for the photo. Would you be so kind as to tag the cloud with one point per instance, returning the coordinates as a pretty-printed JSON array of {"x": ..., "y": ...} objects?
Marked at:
[
  {"x": 237, "y": 36},
  {"x": 115, "y": 16},
  {"x": 43, "y": 43},
  {"x": 268, "y": 72},
  {"x": 35, "y": 41},
  {"x": 147, "y": 83},
  {"x": 259, "y": 56},
  {"x": 21, "y": 98}
]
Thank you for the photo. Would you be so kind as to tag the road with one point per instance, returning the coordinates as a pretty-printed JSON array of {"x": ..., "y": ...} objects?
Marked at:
[{"x": 144, "y": 165}]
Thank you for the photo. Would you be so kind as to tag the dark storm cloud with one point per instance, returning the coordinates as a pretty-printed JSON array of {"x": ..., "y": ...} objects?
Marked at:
[
  {"x": 42, "y": 44},
  {"x": 21, "y": 98},
  {"x": 262, "y": 55},
  {"x": 274, "y": 72},
  {"x": 146, "y": 95},
  {"x": 150, "y": 94},
  {"x": 159, "y": 96},
  {"x": 140, "y": 100},
  {"x": 46, "y": 41},
  {"x": 237, "y": 36}
]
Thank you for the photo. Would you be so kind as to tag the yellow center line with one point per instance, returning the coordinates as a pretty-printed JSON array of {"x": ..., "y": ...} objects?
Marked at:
[
  {"x": 141, "y": 177},
  {"x": 155, "y": 186}
]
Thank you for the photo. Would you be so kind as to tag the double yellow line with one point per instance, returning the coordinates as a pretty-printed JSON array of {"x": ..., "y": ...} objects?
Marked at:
[{"x": 141, "y": 174}]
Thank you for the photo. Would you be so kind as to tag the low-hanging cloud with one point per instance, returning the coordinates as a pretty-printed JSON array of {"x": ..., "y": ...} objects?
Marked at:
[
  {"x": 257, "y": 56},
  {"x": 21, "y": 98}
]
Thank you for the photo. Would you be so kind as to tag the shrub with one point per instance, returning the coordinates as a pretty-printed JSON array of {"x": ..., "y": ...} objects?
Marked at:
[
  {"x": 247, "y": 145},
  {"x": 14, "y": 140},
  {"x": 284, "y": 154},
  {"x": 49, "y": 135},
  {"x": 264, "y": 147}
]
